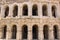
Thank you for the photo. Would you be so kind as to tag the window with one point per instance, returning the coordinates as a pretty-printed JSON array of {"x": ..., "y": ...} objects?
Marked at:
[
  {"x": 55, "y": 31},
  {"x": 6, "y": 11},
  {"x": 53, "y": 11},
  {"x": 35, "y": 32},
  {"x": 44, "y": 10},
  {"x": 14, "y": 32},
  {"x": 34, "y": 10},
  {"x": 25, "y": 10},
  {"x": 15, "y": 11},
  {"x": 24, "y": 32},
  {"x": 45, "y": 31}
]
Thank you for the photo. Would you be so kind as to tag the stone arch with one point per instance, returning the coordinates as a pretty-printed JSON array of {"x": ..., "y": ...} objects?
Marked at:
[
  {"x": 6, "y": 11},
  {"x": 35, "y": 32},
  {"x": 24, "y": 31},
  {"x": 53, "y": 10},
  {"x": 55, "y": 30},
  {"x": 14, "y": 31},
  {"x": 25, "y": 10},
  {"x": 45, "y": 31},
  {"x": 4, "y": 29},
  {"x": 35, "y": 10},
  {"x": 44, "y": 10},
  {"x": 15, "y": 11}
]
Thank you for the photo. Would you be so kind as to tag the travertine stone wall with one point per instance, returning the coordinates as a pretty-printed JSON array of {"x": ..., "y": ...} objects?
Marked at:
[
  {"x": 34, "y": 21},
  {"x": 30, "y": 4},
  {"x": 30, "y": 20}
]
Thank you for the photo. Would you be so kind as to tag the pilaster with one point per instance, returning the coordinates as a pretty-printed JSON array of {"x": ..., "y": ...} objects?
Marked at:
[
  {"x": 2, "y": 11},
  {"x": 8, "y": 33},
  {"x": 19, "y": 11},
  {"x": 19, "y": 32},
  {"x": 10, "y": 11},
  {"x": 1, "y": 33},
  {"x": 58, "y": 33},
  {"x": 51, "y": 34},
  {"x": 40, "y": 10},
  {"x": 40, "y": 33},
  {"x": 49, "y": 10},
  {"x": 30, "y": 9},
  {"x": 29, "y": 33}
]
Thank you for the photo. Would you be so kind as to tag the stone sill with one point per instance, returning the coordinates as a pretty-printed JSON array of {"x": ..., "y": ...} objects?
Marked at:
[{"x": 31, "y": 18}]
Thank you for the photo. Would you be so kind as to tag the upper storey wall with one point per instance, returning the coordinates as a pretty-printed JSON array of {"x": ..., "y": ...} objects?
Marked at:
[
  {"x": 30, "y": 3},
  {"x": 20, "y": 1}
]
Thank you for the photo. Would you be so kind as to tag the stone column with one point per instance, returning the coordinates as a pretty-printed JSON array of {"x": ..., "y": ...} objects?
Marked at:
[
  {"x": 29, "y": 32},
  {"x": 10, "y": 11},
  {"x": 51, "y": 34},
  {"x": 40, "y": 33},
  {"x": 19, "y": 11},
  {"x": 58, "y": 33},
  {"x": 49, "y": 10},
  {"x": 30, "y": 9},
  {"x": 19, "y": 33},
  {"x": 2, "y": 11},
  {"x": 8, "y": 33},
  {"x": 40, "y": 10},
  {"x": 1, "y": 34},
  {"x": 57, "y": 11}
]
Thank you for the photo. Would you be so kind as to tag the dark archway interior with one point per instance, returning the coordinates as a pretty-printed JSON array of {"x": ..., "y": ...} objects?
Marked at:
[
  {"x": 54, "y": 11},
  {"x": 55, "y": 32},
  {"x": 6, "y": 11},
  {"x": 35, "y": 10},
  {"x": 35, "y": 32},
  {"x": 45, "y": 31},
  {"x": 25, "y": 10},
  {"x": 4, "y": 32},
  {"x": 24, "y": 32},
  {"x": 15, "y": 11},
  {"x": 44, "y": 10},
  {"x": 14, "y": 31}
]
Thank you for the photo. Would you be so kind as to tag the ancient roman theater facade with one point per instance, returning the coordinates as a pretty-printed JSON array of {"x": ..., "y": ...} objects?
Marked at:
[{"x": 29, "y": 19}]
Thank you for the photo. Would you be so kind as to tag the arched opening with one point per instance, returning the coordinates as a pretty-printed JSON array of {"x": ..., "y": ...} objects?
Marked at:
[
  {"x": 55, "y": 31},
  {"x": 54, "y": 11},
  {"x": 4, "y": 32},
  {"x": 15, "y": 11},
  {"x": 6, "y": 12},
  {"x": 35, "y": 32},
  {"x": 25, "y": 10},
  {"x": 44, "y": 10},
  {"x": 45, "y": 31},
  {"x": 24, "y": 32},
  {"x": 35, "y": 10},
  {"x": 14, "y": 31}
]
